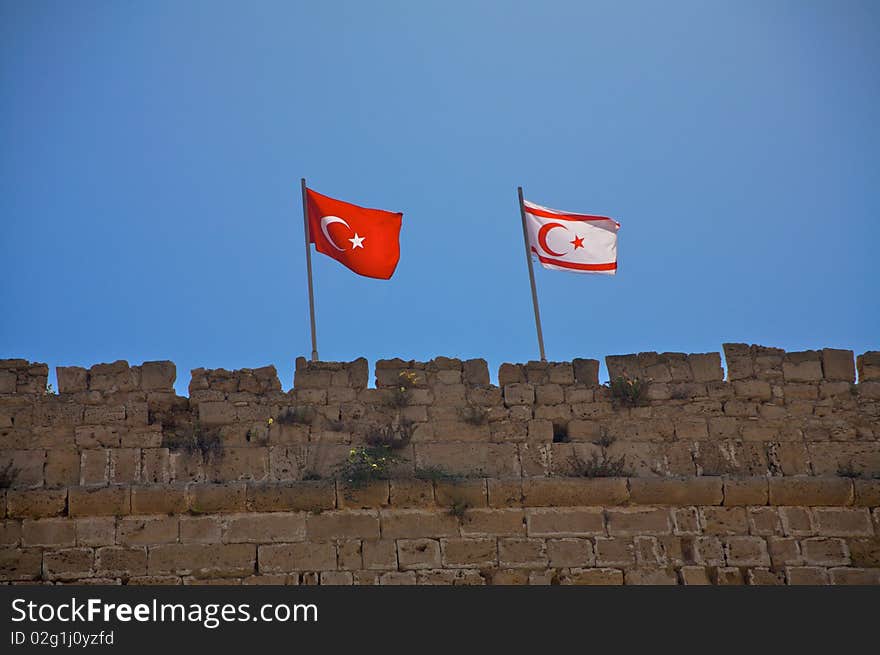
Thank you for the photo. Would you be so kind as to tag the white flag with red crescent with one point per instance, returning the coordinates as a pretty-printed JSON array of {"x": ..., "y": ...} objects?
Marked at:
[{"x": 564, "y": 241}]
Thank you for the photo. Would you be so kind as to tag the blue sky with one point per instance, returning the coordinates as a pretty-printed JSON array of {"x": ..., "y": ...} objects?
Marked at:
[{"x": 150, "y": 156}]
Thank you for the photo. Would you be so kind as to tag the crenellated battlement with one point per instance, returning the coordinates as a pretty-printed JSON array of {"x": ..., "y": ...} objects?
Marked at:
[
  {"x": 676, "y": 473},
  {"x": 778, "y": 413}
]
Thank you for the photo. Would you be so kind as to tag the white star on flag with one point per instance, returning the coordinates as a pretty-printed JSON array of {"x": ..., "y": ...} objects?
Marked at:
[{"x": 356, "y": 241}]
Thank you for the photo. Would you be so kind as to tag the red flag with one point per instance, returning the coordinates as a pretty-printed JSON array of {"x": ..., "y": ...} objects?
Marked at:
[{"x": 365, "y": 240}]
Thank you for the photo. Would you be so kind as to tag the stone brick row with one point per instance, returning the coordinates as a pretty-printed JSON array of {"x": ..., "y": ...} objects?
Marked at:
[
  {"x": 663, "y": 560},
  {"x": 322, "y": 495},
  {"x": 50, "y": 468}
]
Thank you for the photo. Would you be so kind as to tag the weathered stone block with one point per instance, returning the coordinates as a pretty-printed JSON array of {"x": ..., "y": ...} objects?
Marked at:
[
  {"x": 493, "y": 522},
  {"x": 412, "y": 492},
  {"x": 541, "y": 429},
  {"x": 843, "y": 521},
  {"x": 481, "y": 459},
  {"x": 155, "y": 465},
  {"x": 865, "y": 551},
  {"x": 317, "y": 495},
  {"x": 690, "y": 491},
  {"x": 803, "y": 366},
  {"x": 784, "y": 551},
  {"x": 158, "y": 500},
  {"x": 418, "y": 553},
  {"x": 124, "y": 465},
  {"x": 685, "y": 520},
  {"x": 724, "y": 520},
  {"x": 549, "y": 394},
  {"x": 68, "y": 564},
  {"x": 71, "y": 379},
  {"x": 265, "y": 528},
  {"x": 746, "y": 551},
  {"x": 206, "y": 560},
  {"x": 505, "y": 492},
  {"x": 472, "y": 493},
  {"x": 8, "y": 381},
  {"x": 516, "y": 552},
  {"x": 117, "y": 561},
  {"x": 144, "y": 530},
  {"x": 853, "y": 576},
  {"x": 796, "y": 521},
  {"x": 838, "y": 365},
  {"x": 562, "y": 492},
  {"x": 158, "y": 376},
  {"x": 638, "y": 520},
  {"x": 614, "y": 551},
  {"x": 28, "y": 465},
  {"x": 694, "y": 575},
  {"x": 370, "y": 496},
  {"x": 305, "y": 556},
  {"x": 692, "y": 429},
  {"x": 706, "y": 367},
  {"x": 95, "y": 531},
  {"x": 94, "y": 467},
  {"x": 586, "y": 371},
  {"x": 565, "y": 522},
  {"x": 350, "y": 524},
  {"x": 349, "y": 555},
  {"x": 106, "y": 501},
  {"x": 519, "y": 394},
  {"x": 510, "y": 374},
  {"x": 746, "y": 491},
  {"x": 200, "y": 529},
  {"x": 398, "y": 578},
  {"x": 806, "y": 575},
  {"x": 753, "y": 389},
  {"x": 867, "y": 493},
  {"x": 476, "y": 372},
  {"x": 810, "y": 491},
  {"x": 216, "y": 413},
  {"x": 210, "y": 498},
  {"x": 20, "y": 563},
  {"x": 652, "y": 576},
  {"x": 570, "y": 553},
  {"x": 729, "y": 575},
  {"x": 868, "y": 365},
  {"x": 825, "y": 551},
  {"x": 380, "y": 554},
  {"x": 457, "y": 430},
  {"x": 764, "y": 521},
  {"x": 603, "y": 577},
  {"x": 48, "y": 532},
  {"x": 110, "y": 378},
  {"x": 414, "y": 523},
  {"x": 62, "y": 468}
]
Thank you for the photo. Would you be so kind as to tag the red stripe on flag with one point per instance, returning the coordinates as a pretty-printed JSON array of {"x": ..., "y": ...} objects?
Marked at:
[
  {"x": 611, "y": 266},
  {"x": 567, "y": 217}
]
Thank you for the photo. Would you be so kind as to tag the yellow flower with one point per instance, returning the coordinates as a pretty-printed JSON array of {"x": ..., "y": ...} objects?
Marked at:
[{"x": 271, "y": 421}]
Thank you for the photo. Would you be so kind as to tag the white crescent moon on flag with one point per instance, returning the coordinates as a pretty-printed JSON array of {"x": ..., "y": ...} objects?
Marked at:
[{"x": 329, "y": 220}]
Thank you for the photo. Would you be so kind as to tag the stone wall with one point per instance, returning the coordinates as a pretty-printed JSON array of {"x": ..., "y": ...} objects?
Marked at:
[{"x": 769, "y": 477}]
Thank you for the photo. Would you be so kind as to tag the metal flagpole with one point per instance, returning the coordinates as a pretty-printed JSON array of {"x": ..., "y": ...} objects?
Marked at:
[
  {"x": 522, "y": 213},
  {"x": 309, "y": 269}
]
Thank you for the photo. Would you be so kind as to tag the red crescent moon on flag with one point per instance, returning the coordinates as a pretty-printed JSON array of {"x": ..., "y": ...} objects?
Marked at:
[{"x": 542, "y": 238}]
